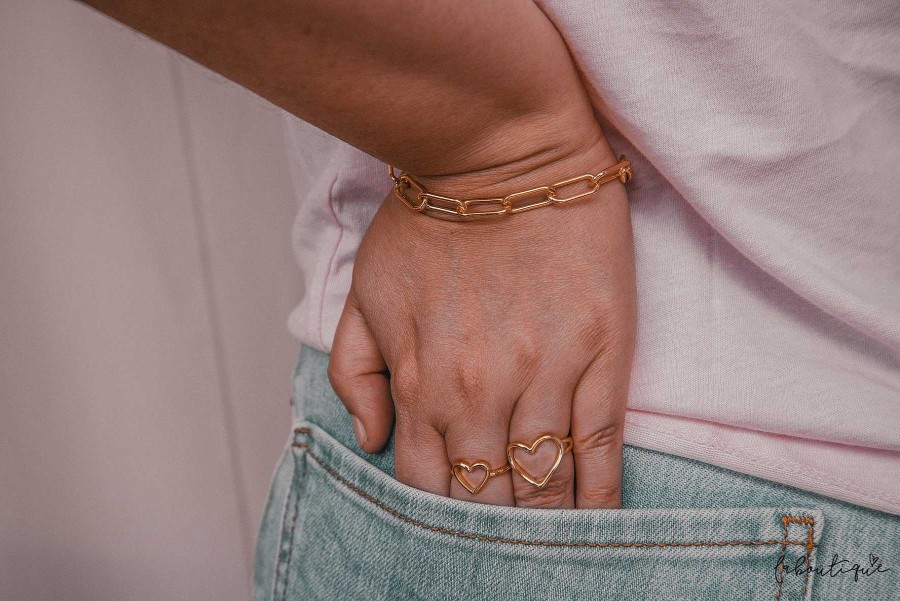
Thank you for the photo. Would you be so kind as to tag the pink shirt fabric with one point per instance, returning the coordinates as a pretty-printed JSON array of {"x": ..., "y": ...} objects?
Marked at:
[{"x": 766, "y": 208}]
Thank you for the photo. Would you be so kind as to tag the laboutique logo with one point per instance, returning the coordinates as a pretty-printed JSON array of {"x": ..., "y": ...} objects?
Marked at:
[{"x": 837, "y": 567}]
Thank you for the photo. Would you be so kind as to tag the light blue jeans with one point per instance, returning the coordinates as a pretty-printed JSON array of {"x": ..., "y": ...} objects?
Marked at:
[{"x": 339, "y": 526}]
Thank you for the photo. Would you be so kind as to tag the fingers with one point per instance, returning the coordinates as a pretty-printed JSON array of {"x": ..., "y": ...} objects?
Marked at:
[
  {"x": 544, "y": 408},
  {"x": 420, "y": 456},
  {"x": 447, "y": 418},
  {"x": 481, "y": 445},
  {"x": 592, "y": 409},
  {"x": 598, "y": 416},
  {"x": 358, "y": 374}
]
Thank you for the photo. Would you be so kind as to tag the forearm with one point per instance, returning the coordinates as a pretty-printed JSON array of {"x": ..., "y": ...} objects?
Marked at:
[{"x": 437, "y": 87}]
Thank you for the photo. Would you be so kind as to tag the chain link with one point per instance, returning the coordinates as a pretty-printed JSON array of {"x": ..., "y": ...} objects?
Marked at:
[{"x": 417, "y": 198}]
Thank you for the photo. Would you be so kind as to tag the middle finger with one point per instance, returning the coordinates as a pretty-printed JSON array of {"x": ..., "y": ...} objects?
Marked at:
[{"x": 545, "y": 407}]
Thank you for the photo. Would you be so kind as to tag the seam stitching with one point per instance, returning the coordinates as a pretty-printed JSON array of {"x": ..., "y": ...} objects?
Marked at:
[
  {"x": 278, "y": 565},
  {"x": 414, "y": 522},
  {"x": 290, "y": 555},
  {"x": 809, "y": 544}
]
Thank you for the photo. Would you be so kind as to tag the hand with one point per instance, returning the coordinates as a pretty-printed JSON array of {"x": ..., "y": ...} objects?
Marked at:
[{"x": 480, "y": 333}]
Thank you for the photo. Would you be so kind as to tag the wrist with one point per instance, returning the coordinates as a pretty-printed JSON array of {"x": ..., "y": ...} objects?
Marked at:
[
  {"x": 547, "y": 160},
  {"x": 556, "y": 175}
]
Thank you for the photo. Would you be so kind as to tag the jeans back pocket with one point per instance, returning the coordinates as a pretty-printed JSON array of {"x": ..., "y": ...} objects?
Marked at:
[{"x": 348, "y": 531}]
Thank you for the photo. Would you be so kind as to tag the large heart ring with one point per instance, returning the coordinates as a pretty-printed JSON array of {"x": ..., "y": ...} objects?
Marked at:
[
  {"x": 473, "y": 476},
  {"x": 563, "y": 446}
]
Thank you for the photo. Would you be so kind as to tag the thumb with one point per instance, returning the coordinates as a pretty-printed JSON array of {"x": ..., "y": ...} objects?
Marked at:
[{"x": 358, "y": 374}]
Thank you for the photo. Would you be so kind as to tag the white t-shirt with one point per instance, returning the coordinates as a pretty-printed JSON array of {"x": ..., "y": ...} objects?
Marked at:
[{"x": 765, "y": 140}]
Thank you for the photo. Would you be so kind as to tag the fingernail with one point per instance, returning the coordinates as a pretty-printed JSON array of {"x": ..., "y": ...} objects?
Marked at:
[{"x": 360, "y": 430}]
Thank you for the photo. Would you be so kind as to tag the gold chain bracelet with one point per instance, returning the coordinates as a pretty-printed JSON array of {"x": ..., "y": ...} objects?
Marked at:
[{"x": 424, "y": 201}]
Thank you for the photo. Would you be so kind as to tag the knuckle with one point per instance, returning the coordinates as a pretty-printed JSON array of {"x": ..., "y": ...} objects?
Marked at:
[
  {"x": 593, "y": 329},
  {"x": 604, "y": 327},
  {"x": 406, "y": 382},
  {"x": 600, "y": 440}
]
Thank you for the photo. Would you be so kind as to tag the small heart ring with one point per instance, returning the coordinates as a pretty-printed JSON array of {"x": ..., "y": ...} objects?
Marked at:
[{"x": 483, "y": 467}]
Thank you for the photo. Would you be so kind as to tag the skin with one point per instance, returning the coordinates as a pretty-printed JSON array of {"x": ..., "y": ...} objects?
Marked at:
[{"x": 458, "y": 336}]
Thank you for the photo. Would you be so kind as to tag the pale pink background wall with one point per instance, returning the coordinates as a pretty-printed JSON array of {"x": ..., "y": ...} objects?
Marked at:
[{"x": 145, "y": 280}]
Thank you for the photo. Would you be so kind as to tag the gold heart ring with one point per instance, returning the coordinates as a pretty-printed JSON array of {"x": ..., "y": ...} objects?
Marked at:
[
  {"x": 563, "y": 446},
  {"x": 482, "y": 467}
]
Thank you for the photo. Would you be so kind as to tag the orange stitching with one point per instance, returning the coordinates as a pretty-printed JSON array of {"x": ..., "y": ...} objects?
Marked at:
[
  {"x": 781, "y": 565},
  {"x": 810, "y": 523},
  {"x": 809, "y": 544},
  {"x": 512, "y": 541},
  {"x": 278, "y": 566}
]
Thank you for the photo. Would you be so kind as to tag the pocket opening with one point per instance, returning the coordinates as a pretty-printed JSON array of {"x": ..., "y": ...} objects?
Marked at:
[
  {"x": 353, "y": 531},
  {"x": 306, "y": 440}
]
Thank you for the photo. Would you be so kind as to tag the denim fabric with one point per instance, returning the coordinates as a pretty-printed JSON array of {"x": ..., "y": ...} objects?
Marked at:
[{"x": 338, "y": 526}]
